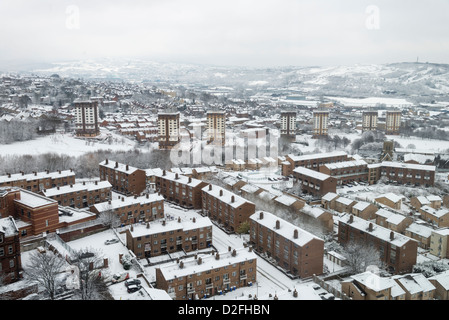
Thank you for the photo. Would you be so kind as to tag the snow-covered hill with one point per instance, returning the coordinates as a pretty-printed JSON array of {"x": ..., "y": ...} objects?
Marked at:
[{"x": 413, "y": 80}]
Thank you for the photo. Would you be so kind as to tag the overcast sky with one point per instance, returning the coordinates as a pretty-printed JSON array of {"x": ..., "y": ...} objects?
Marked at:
[{"x": 227, "y": 32}]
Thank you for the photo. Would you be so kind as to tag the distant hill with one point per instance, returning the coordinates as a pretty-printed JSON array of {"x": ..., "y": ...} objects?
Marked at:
[{"x": 417, "y": 81}]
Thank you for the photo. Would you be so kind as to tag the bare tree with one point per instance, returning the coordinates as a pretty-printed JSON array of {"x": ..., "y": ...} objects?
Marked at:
[
  {"x": 45, "y": 269},
  {"x": 109, "y": 218},
  {"x": 361, "y": 255},
  {"x": 91, "y": 285}
]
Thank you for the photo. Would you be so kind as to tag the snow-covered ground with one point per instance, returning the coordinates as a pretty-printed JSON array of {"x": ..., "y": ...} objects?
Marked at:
[{"x": 66, "y": 144}]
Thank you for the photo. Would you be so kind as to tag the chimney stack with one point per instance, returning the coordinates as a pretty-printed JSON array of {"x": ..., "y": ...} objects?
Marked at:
[
  {"x": 96, "y": 183},
  {"x": 181, "y": 265},
  {"x": 176, "y": 176},
  {"x": 123, "y": 199},
  {"x": 295, "y": 293},
  {"x": 194, "y": 220},
  {"x": 84, "y": 183},
  {"x": 210, "y": 187},
  {"x": 190, "y": 180},
  {"x": 148, "y": 225},
  {"x": 234, "y": 253},
  {"x": 260, "y": 215},
  {"x": 221, "y": 193},
  {"x": 200, "y": 260},
  {"x": 278, "y": 224},
  {"x": 164, "y": 173},
  {"x": 116, "y": 164},
  {"x": 370, "y": 227},
  {"x": 295, "y": 234},
  {"x": 391, "y": 235},
  {"x": 127, "y": 167},
  {"x": 351, "y": 219},
  {"x": 229, "y": 248},
  {"x": 179, "y": 219},
  {"x": 217, "y": 256},
  {"x": 107, "y": 161},
  {"x": 9, "y": 175},
  {"x": 109, "y": 201},
  {"x": 232, "y": 199},
  {"x": 163, "y": 222},
  {"x": 148, "y": 196}
]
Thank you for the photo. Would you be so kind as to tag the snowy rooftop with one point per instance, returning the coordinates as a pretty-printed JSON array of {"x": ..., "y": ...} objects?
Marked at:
[
  {"x": 179, "y": 178},
  {"x": 378, "y": 231},
  {"x": 126, "y": 201},
  {"x": 344, "y": 201},
  {"x": 8, "y": 226},
  {"x": 377, "y": 283},
  {"x": 345, "y": 164},
  {"x": 76, "y": 187},
  {"x": 415, "y": 282},
  {"x": 361, "y": 205},
  {"x": 37, "y": 175},
  {"x": 435, "y": 212},
  {"x": 329, "y": 196},
  {"x": 442, "y": 279},
  {"x": 118, "y": 166},
  {"x": 317, "y": 156},
  {"x": 286, "y": 229},
  {"x": 313, "y": 211},
  {"x": 226, "y": 196},
  {"x": 286, "y": 200},
  {"x": 167, "y": 225},
  {"x": 173, "y": 270},
  {"x": 390, "y": 196},
  {"x": 311, "y": 173},
  {"x": 420, "y": 229},
  {"x": 33, "y": 200},
  {"x": 392, "y": 164}
]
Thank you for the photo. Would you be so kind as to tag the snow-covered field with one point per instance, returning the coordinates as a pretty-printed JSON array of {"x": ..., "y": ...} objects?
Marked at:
[{"x": 66, "y": 144}]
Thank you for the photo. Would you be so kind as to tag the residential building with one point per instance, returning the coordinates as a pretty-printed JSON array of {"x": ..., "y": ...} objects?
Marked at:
[
  {"x": 80, "y": 195},
  {"x": 390, "y": 199},
  {"x": 38, "y": 181},
  {"x": 133, "y": 209},
  {"x": 180, "y": 189},
  {"x": 369, "y": 121},
  {"x": 294, "y": 249},
  {"x": 165, "y": 236},
  {"x": 343, "y": 204},
  {"x": 320, "y": 123},
  {"x": 370, "y": 286},
  {"x": 393, "y": 122},
  {"x": 393, "y": 221},
  {"x": 420, "y": 233},
  {"x": 439, "y": 243},
  {"x": 402, "y": 173},
  {"x": 168, "y": 129},
  {"x": 87, "y": 118},
  {"x": 328, "y": 200},
  {"x": 441, "y": 284},
  {"x": 288, "y": 123},
  {"x": 364, "y": 210},
  {"x": 437, "y": 217},
  {"x": 314, "y": 182},
  {"x": 397, "y": 251},
  {"x": 416, "y": 286},
  {"x": 10, "y": 255},
  {"x": 311, "y": 161},
  {"x": 124, "y": 178},
  {"x": 225, "y": 207},
  {"x": 206, "y": 275},
  {"x": 216, "y": 127},
  {"x": 346, "y": 171}
]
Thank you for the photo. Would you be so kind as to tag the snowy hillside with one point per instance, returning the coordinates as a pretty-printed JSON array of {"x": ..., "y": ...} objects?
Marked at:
[{"x": 411, "y": 80}]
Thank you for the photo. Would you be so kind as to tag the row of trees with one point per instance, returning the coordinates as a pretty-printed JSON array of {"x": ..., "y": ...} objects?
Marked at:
[{"x": 17, "y": 130}]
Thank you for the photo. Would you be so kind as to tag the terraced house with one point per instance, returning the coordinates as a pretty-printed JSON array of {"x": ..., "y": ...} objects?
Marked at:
[
  {"x": 294, "y": 249},
  {"x": 180, "y": 189},
  {"x": 225, "y": 207},
  {"x": 167, "y": 236},
  {"x": 124, "y": 179},
  {"x": 133, "y": 209},
  {"x": 205, "y": 275},
  {"x": 37, "y": 181}
]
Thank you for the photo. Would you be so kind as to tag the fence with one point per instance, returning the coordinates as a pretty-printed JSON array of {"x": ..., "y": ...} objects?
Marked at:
[{"x": 329, "y": 288}]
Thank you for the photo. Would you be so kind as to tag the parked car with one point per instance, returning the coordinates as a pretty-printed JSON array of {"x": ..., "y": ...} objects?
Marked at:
[
  {"x": 119, "y": 277},
  {"x": 327, "y": 296},
  {"x": 134, "y": 287},
  {"x": 130, "y": 282},
  {"x": 111, "y": 241}
]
